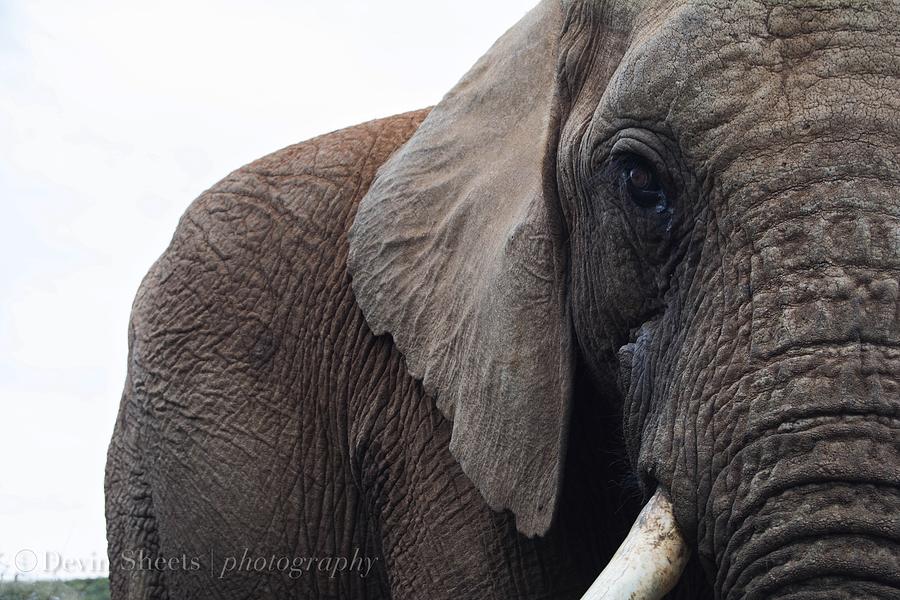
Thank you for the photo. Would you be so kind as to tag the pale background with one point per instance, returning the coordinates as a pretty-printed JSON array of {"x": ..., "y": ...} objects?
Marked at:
[{"x": 113, "y": 117}]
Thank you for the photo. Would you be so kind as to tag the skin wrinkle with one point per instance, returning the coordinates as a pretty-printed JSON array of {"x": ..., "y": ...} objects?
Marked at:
[
  {"x": 835, "y": 523},
  {"x": 811, "y": 438}
]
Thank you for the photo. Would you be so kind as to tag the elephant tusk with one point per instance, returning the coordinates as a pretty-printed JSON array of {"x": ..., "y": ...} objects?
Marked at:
[{"x": 649, "y": 562}]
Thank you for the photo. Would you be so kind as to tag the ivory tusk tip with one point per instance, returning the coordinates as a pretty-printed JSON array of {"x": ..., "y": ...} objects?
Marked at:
[{"x": 649, "y": 562}]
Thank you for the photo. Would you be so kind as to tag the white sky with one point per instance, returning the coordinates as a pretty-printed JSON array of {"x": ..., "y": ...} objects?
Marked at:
[{"x": 114, "y": 116}]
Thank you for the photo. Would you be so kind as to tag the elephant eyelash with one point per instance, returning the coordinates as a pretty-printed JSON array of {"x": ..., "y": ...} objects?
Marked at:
[{"x": 618, "y": 177}]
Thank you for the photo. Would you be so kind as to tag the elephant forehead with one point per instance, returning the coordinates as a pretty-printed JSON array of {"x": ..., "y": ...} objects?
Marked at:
[{"x": 735, "y": 78}]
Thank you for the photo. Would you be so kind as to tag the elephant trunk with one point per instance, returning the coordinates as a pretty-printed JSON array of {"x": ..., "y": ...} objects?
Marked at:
[
  {"x": 816, "y": 506},
  {"x": 800, "y": 492},
  {"x": 819, "y": 514},
  {"x": 649, "y": 562}
]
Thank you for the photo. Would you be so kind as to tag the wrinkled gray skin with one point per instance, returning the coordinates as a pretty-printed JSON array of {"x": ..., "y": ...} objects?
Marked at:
[{"x": 564, "y": 350}]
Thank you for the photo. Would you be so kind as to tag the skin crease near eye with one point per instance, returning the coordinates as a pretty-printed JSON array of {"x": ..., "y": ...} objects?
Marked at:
[{"x": 640, "y": 193}]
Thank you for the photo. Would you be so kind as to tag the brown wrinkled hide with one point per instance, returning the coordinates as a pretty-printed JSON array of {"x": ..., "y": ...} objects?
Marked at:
[{"x": 260, "y": 413}]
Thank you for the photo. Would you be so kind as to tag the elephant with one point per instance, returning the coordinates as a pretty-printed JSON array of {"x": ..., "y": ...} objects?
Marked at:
[{"x": 633, "y": 280}]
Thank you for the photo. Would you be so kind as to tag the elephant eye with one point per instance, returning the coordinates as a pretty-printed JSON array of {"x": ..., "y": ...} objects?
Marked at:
[{"x": 641, "y": 184}]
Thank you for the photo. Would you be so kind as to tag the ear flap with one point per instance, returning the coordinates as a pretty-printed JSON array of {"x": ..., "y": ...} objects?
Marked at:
[{"x": 456, "y": 251}]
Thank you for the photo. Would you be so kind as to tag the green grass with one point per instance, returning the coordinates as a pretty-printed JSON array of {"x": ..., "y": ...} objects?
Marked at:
[{"x": 72, "y": 589}]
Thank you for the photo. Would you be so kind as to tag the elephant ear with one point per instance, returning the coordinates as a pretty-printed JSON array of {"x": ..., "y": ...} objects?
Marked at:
[{"x": 456, "y": 252}]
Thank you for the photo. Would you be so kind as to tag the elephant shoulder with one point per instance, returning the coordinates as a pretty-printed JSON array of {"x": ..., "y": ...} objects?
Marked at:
[
  {"x": 263, "y": 249},
  {"x": 320, "y": 181}
]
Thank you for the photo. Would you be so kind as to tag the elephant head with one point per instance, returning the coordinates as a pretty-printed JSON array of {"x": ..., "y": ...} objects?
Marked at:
[{"x": 696, "y": 203}]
